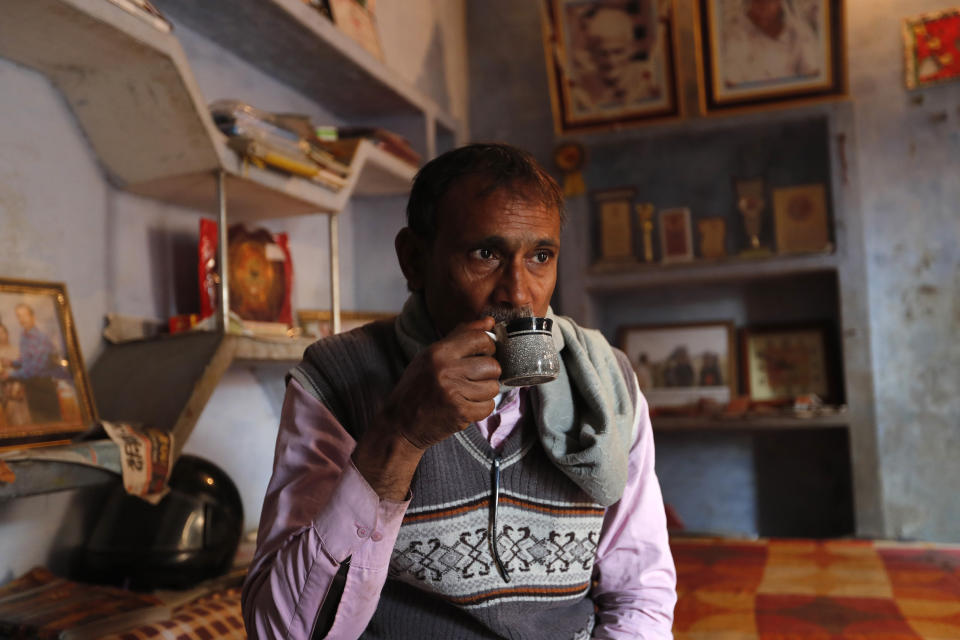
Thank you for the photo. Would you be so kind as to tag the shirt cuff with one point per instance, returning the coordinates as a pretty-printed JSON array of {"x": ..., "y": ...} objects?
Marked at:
[{"x": 358, "y": 523}]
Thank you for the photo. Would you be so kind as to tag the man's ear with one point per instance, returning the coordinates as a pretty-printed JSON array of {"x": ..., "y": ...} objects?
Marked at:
[{"x": 412, "y": 255}]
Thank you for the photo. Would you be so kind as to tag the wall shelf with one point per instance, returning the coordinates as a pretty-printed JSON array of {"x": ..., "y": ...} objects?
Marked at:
[
  {"x": 148, "y": 122},
  {"x": 753, "y": 423},
  {"x": 612, "y": 278},
  {"x": 292, "y": 42},
  {"x": 37, "y": 476},
  {"x": 134, "y": 95},
  {"x": 121, "y": 382},
  {"x": 165, "y": 382}
]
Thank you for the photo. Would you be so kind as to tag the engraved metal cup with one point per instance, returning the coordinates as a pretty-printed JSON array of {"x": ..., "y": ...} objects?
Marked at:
[{"x": 526, "y": 351}]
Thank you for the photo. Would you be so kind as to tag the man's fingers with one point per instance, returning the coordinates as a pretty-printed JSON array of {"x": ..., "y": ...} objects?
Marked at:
[
  {"x": 480, "y": 391},
  {"x": 480, "y": 368},
  {"x": 466, "y": 342}
]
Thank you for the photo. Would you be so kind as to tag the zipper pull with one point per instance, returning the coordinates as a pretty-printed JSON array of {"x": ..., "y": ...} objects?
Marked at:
[{"x": 492, "y": 526}]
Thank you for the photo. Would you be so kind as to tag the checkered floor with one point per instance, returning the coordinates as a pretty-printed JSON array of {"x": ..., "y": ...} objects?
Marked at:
[{"x": 813, "y": 590}]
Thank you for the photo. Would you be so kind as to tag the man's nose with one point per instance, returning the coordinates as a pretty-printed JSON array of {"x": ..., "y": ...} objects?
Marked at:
[{"x": 514, "y": 286}]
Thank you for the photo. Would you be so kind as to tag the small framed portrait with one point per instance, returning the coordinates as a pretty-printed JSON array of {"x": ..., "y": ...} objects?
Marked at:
[
  {"x": 931, "y": 44},
  {"x": 318, "y": 323},
  {"x": 358, "y": 19},
  {"x": 800, "y": 219},
  {"x": 763, "y": 52},
  {"x": 45, "y": 397},
  {"x": 679, "y": 365},
  {"x": 676, "y": 236},
  {"x": 614, "y": 223},
  {"x": 611, "y": 63},
  {"x": 783, "y": 362}
]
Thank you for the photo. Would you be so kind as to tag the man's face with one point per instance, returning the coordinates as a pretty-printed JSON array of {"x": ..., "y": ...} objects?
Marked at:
[
  {"x": 25, "y": 318},
  {"x": 496, "y": 250},
  {"x": 610, "y": 42},
  {"x": 767, "y": 15}
]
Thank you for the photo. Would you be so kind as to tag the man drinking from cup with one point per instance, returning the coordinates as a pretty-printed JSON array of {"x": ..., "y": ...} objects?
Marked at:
[{"x": 414, "y": 496}]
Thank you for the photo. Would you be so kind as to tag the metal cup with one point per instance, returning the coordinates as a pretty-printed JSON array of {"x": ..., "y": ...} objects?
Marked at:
[{"x": 526, "y": 351}]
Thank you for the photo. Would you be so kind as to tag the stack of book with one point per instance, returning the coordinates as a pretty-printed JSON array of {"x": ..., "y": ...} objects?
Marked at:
[
  {"x": 342, "y": 142},
  {"x": 268, "y": 140}
]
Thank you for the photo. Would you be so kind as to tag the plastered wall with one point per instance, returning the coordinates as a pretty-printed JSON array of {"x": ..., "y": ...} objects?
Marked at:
[
  {"x": 908, "y": 150},
  {"x": 904, "y": 161},
  {"x": 61, "y": 221}
]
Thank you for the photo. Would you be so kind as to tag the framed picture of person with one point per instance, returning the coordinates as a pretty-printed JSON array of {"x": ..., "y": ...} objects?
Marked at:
[
  {"x": 44, "y": 394},
  {"x": 679, "y": 365},
  {"x": 610, "y": 63},
  {"x": 755, "y": 53}
]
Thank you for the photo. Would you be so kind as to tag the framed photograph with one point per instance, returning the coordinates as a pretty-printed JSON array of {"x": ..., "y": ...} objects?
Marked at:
[
  {"x": 931, "y": 47},
  {"x": 610, "y": 63},
  {"x": 319, "y": 323},
  {"x": 781, "y": 363},
  {"x": 800, "y": 219},
  {"x": 680, "y": 365},
  {"x": 45, "y": 396},
  {"x": 676, "y": 236},
  {"x": 763, "y": 52},
  {"x": 614, "y": 221},
  {"x": 358, "y": 19}
]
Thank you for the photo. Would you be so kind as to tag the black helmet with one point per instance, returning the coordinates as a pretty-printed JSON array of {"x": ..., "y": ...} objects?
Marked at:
[{"x": 190, "y": 535}]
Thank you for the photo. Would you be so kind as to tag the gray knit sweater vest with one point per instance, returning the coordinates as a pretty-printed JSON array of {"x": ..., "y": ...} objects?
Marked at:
[{"x": 444, "y": 580}]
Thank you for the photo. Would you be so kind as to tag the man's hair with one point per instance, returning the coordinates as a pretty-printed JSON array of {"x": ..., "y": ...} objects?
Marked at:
[
  {"x": 24, "y": 305},
  {"x": 502, "y": 167}
]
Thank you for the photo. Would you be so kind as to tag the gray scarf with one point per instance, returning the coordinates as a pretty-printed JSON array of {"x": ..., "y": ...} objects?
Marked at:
[{"x": 584, "y": 418}]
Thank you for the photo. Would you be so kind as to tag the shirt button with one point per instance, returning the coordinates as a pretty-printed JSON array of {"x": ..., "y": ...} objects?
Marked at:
[
  {"x": 361, "y": 532},
  {"x": 376, "y": 536}
]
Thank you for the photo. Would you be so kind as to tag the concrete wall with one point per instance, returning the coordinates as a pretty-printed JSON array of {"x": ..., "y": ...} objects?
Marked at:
[
  {"x": 904, "y": 157},
  {"x": 908, "y": 149},
  {"x": 61, "y": 221}
]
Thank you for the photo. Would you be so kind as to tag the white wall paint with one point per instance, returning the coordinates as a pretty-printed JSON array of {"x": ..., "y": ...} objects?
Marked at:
[{"x": 61, "y": 221}]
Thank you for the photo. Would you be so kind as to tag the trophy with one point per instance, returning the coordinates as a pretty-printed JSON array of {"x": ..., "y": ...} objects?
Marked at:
[
  {"x": 645, "y": 217},
  {"x": 751, "y": 204}
]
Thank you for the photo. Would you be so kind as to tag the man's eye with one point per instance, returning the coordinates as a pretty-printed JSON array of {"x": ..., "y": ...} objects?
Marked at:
[
  {"x": 542, "y": 256},
  {"x": 484, "y": 254}
]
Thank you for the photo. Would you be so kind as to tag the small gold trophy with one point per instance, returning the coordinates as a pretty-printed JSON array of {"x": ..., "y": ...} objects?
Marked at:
[
  {"x": 645, "y": 217},
  {"x": 752, "y": 204}
]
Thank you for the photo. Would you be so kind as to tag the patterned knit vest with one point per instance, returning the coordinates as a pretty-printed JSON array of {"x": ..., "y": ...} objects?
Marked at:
[{"x": 444, "y": 581}]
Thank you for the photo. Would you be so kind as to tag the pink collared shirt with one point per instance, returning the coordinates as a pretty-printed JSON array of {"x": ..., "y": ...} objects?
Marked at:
[{"x": 319, "y": 511}]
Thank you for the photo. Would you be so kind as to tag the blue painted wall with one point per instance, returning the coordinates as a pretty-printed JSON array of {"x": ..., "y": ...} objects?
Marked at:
[{"x": 905, "y": 159}]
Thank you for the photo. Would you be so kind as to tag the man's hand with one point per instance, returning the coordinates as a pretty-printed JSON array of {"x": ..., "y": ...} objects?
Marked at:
[{"x": 446, "y": 387}]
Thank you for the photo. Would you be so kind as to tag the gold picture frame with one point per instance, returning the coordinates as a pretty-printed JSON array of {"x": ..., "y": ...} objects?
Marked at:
[
  {"x": 741, "y": 66},
  {"x": 781, "y": 363},
  {"x": 801, "y": 219},
  {"x": 606, "y": 67},
  {"x": 45, "y": 395},
  {"x": 613, "y": 209}
]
